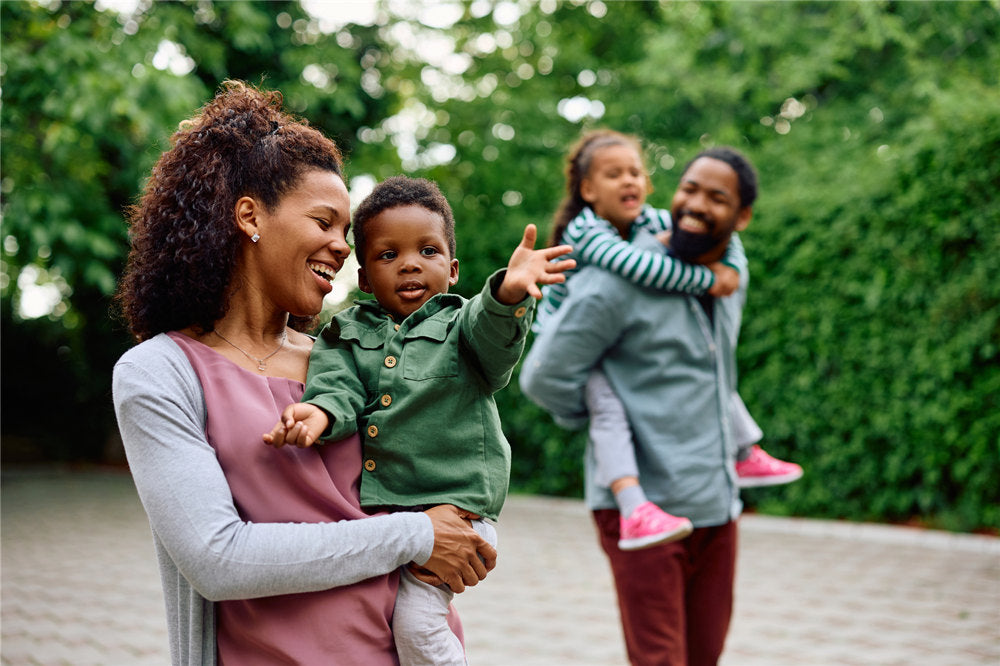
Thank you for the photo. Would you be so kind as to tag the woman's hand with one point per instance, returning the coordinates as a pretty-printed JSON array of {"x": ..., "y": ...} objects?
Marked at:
[{"x": 460, "y": 557}]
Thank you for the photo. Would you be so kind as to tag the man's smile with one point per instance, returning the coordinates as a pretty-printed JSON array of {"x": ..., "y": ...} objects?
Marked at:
[{"x": 693, "y": 223}]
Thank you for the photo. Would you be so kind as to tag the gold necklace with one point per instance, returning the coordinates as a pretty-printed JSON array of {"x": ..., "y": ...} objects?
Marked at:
[{"x": 261, "y": 362}]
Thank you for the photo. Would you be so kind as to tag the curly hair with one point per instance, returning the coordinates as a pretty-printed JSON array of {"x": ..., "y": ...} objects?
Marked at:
[
  {"x": 402, "y": 191},
  {"x": 184, "y": 240},
  {"x": 578, "y": 163}
]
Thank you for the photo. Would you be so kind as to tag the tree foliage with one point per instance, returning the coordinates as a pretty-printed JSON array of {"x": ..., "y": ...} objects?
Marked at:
[
  {"x": 870, "y": 344},
  {"x": 89, "y": 100}
]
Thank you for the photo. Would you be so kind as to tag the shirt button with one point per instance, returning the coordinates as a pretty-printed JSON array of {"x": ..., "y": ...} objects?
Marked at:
[
  {"x": 370, "y": 465},
  {"x": 373, "y": 431},
  {"x": 390, "y": 361},
  {"x": 386, "y": 400},
  {"x": 396, "y": 326},
  {"x": 518, "y": 313}
]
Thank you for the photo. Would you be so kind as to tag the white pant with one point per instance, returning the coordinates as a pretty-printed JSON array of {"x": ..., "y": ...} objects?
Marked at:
[
  {"x": 611, "y": 435},
  {"x": 420, "y": 620}
]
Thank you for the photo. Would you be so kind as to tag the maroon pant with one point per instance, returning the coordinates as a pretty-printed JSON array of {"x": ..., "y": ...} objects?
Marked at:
[{"x": 675, "y": 599}]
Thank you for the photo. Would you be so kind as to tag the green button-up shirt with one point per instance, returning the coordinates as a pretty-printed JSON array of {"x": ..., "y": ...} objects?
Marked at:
[{"x": 420, "y": 392}]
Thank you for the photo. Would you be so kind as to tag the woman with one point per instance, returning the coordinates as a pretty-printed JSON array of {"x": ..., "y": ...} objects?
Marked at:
[{"x": 236, "y": 238}]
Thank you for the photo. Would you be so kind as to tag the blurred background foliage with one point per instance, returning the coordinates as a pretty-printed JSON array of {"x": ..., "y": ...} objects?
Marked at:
[{"x": 871, "y": 345}]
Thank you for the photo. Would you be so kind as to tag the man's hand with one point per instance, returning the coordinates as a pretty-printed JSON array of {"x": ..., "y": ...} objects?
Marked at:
[
  {"x": 529, "y": 267},
  {"x": 301, "y": 424},
  {"x": 727, "y": 280},
  {"x": 460, "y": 557}
]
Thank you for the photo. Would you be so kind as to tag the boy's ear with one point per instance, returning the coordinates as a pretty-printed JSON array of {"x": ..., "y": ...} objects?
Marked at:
[
  {"x": 363, "y": 284},
  {"x": 453, "y": 279}
]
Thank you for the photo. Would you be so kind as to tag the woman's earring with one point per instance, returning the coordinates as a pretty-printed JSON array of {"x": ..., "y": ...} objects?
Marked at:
[{"x": 255, "y": 237}]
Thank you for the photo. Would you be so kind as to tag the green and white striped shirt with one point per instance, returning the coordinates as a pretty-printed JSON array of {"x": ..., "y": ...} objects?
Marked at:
[{"x": 596, "y": 242}]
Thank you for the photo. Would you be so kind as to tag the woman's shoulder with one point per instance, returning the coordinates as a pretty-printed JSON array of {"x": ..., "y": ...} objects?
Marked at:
[
  {"x": 160, "y": 348},
  {"x": 159, "y": 359}
]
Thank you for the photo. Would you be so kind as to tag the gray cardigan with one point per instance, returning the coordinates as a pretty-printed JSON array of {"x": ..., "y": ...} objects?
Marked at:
[{"x": 206, "y": 552}]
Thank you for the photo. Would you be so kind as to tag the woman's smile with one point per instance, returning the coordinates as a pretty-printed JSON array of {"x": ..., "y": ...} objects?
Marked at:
[{"x": 324, "y": 274}]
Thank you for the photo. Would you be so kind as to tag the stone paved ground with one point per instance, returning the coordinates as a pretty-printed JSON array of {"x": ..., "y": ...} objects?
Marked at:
[{"x": 79, "y": 586}]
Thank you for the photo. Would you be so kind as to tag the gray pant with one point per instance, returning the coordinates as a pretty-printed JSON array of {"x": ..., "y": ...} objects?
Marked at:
[
  {"x": 611, "y": 436},
  {"x": 420, "y": 620}
]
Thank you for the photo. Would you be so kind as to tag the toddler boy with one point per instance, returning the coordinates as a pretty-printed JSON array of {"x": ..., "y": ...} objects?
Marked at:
[{"x": 415, "y": 371}]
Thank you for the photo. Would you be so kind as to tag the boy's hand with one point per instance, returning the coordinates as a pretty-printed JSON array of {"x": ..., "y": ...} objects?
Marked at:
[
  {"x": 727, "y": 279},
  {"x": 301, "y": 424},
  {"x": 663, "y": 237},
  {"x": 529, "y": 267}
]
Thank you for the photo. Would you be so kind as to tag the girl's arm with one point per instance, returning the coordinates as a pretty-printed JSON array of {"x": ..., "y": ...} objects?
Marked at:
[
  {"x": 661, "y": 224},
  {"x": 161, "y": 415},
  {"x": 596, "y": 242}
]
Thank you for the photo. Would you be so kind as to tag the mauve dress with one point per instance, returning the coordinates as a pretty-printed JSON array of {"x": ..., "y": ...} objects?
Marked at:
[{"x": 344, "y": 625}]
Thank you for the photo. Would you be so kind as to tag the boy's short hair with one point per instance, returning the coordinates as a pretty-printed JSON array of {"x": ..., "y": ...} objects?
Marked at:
[{"x": 402, "y": 191}]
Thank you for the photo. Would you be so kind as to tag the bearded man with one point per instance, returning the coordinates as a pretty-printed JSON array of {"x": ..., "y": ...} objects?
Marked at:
[{"x": 671, "y": 359}]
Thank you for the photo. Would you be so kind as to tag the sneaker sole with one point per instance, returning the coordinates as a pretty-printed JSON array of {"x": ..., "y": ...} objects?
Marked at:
[
  {"x": 760, "y": 481},
  {"x": 656, "y": 539}
]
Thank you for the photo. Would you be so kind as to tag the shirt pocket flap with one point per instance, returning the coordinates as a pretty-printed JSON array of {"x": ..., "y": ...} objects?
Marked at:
[
  {"x": 428, "y": 353},
  {"x": 364, "y": 337},
  {"x": 430, "y": 329}
]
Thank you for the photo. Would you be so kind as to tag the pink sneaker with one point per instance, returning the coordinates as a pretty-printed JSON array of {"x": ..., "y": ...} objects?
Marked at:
[
  {"x": 649, "y": 525},
  {"x": 761, "y": 469}
]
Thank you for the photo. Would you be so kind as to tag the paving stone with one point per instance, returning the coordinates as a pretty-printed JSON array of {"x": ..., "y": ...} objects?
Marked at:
[{"x": 80, "y": 586}]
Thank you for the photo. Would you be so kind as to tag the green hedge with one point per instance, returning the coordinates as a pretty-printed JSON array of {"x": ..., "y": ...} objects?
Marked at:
[{"x": 870, "y": 347}]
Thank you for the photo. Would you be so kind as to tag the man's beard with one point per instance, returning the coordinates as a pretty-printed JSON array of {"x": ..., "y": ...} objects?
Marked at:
[{"x": 688, "y": 246}]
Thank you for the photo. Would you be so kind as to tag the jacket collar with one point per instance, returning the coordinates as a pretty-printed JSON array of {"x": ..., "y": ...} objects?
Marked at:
[{"x": 375, "y": 315}]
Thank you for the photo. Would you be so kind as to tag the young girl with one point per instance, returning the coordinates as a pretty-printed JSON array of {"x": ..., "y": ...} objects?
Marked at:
[{"x": 606, "y": 184}]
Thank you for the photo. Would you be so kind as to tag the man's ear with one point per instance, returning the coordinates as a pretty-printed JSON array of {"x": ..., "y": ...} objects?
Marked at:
[
  {"x": 453, "y": 279},
  {"x": 743, "y": 218},
  {"x": 246, "y": 212},
  {"x": 363, "y": 284}
]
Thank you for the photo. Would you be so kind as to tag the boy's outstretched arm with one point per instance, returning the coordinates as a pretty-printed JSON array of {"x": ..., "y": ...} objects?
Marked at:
[
  {"x": 529, "y": 267},
  {"x": 301, "y": 424}
]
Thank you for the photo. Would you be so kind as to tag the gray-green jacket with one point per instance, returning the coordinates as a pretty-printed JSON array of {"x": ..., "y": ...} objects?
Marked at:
[
  {"x": 420, "y": 392},
  {"x": 673, "y": 369}
]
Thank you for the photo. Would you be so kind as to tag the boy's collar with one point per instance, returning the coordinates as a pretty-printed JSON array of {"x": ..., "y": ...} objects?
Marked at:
[{"x": 434, "y": 305}]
